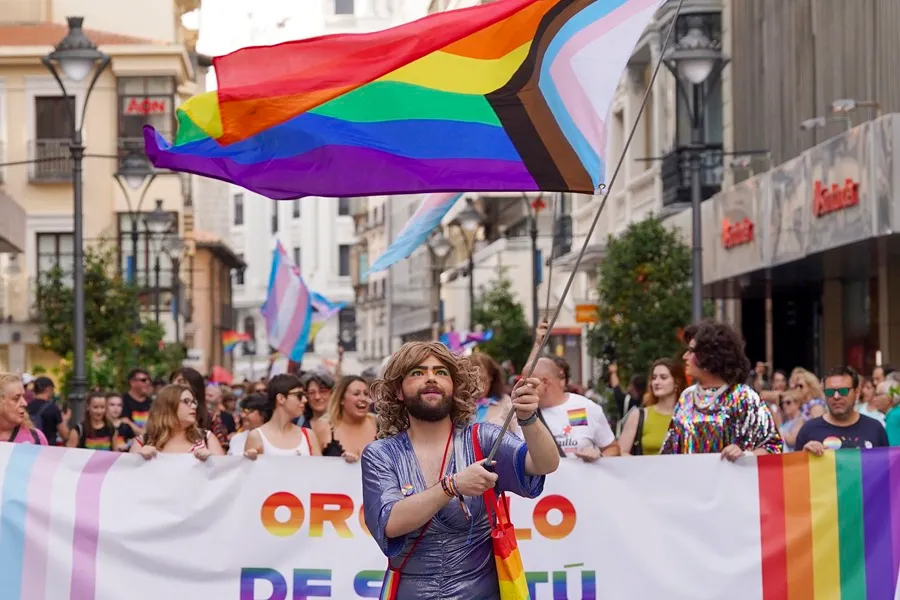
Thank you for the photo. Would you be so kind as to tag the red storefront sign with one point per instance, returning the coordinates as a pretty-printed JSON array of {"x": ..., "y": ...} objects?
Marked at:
[
  {"x": 146, "y": 106},
  {"x": 736, "y": 233},
  {"x": 831, "y": 199}
]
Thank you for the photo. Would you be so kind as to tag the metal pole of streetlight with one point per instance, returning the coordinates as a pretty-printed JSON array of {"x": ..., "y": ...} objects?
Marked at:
[
  {"x": 471, "y": 286},
  {"x": 156, "y": 294},
  {"x": 535, "y": 268},
  {"x": 76, "y": 56},
  {"x": 696, "y": 201}
]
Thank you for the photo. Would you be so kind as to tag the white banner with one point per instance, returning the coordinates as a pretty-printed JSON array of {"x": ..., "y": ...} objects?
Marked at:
[{"x": 103, "y": 526}]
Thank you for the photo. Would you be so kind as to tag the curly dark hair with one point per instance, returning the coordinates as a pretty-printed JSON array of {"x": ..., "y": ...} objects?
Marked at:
[
  {"x": 392, "y": 415},
  {"x": 719, "y": 350}
]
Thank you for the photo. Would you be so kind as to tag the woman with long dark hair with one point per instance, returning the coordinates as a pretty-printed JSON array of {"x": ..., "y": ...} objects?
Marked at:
[
  {"x": 192, "y": 378},
  {"x": 96, "y": 432},
  {"x": 279, "y": 436}
]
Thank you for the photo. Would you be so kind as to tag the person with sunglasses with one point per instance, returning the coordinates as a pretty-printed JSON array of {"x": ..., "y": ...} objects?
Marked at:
[
  {"x": 279, "y": 435},
  {"x": 842, "y": 426}
]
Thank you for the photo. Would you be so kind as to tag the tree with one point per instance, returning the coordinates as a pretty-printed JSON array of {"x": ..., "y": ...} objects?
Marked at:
[
  {"x": 498, "y": 309},
  {"x": 645, "y": 297},
  {"x": 118, "y": 339}
]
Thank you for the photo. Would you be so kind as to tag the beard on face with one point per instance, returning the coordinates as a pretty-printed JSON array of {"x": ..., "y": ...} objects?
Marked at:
[{"x": 420, "y": 408}]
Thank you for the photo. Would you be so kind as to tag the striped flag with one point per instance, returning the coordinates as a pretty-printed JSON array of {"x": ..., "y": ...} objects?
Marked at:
[
  {"x": 288, "y": 307},
  {"x": 416, "y": 231}
]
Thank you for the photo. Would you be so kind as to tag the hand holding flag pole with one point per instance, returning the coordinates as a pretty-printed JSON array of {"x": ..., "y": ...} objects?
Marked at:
[{"x": 605, "y": 191}]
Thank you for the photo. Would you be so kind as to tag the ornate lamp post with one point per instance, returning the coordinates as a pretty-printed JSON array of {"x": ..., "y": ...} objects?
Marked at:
[
  {"x": 439, "y": 248},
  {"x": 696, "y": 58},
  {"x": 469, "y": 221},
  {"x": 160, "y": 225},
  {"x": 76, "y": 57},
  {"x": 133, "y": 174}
]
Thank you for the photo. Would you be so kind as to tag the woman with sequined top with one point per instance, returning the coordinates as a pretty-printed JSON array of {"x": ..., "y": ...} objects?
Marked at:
[{"x": 720, "y": 413}]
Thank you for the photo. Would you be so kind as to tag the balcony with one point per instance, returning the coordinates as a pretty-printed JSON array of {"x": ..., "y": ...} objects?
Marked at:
[
  {"x": 53, "y": 162},
  {"x": 676, "y": 174}
]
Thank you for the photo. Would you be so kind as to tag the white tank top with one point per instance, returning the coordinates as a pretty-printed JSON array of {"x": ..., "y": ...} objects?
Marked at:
[{"x": 302, "y": 449}]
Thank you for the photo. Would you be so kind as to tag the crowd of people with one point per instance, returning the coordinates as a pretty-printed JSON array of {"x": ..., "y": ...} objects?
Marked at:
[
  {"x": 728, "y": 408},
  {"x": 422, "y": 427}
]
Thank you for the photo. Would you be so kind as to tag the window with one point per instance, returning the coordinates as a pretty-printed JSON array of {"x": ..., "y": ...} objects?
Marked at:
[
  {"x": 343, "y": 7},
  {"x": 53, "y": 131},
  {"x": 144, "y": 101},
  {"x": 239, "y": 273},
  {"x": 343, "y": 207},
  {"x": 344, "y": 260},
  {"x": 238, "y": 209},
  {"x": 296, "y": 209},
  {"x": 347, "y": 329},
  {"x": 297, "y": 256},
  {"x": 56, "y": 250},
  {"x": 140, "y": 270},
  {"x": 274, "y": 216}
]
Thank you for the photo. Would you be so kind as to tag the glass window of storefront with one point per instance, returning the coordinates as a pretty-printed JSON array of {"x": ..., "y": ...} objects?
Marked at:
[{"x": 144, "y": 101}]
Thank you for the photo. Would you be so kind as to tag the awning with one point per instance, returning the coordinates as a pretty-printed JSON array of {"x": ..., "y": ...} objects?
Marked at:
[{"x": 593, "y": 256}]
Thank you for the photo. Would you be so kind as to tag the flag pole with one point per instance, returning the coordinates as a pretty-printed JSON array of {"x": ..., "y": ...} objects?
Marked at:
[{"x": 605, "y": 191}]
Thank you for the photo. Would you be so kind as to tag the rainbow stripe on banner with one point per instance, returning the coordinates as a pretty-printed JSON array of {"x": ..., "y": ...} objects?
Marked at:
[
  {"x": 25, "y": 532},
  {"x": 510, "y": 95},
  {"x": 830, "y": 526}
]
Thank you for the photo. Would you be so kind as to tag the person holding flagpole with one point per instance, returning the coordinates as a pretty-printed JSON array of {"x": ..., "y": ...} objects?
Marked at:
[{"x": 422, "y": 484}]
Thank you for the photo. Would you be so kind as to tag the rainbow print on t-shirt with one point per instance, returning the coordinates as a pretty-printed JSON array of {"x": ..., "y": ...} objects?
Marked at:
[
  {"x": 139, "y": 417},
  {"x": 577, "y": 417},
  {"x": 98, "y": 443}
]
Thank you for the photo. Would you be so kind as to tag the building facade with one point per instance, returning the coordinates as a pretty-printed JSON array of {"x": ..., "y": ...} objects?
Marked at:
[
  {"x": 805, "y": 253},
  {"x": 154, "y": 68}
]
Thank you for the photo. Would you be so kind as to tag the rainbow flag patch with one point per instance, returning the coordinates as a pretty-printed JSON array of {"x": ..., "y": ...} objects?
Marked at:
[
  {"x": 408, "y": 490},
  {"x": 577, "y": 417}
]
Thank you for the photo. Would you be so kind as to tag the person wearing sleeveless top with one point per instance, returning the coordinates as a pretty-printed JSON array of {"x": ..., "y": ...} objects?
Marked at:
[
  {"x": 172, "y": 427},
  {"x": 347, "y": 425},
  {"x": 279, "y": 436},
  {"x": 646, "y": 427}
]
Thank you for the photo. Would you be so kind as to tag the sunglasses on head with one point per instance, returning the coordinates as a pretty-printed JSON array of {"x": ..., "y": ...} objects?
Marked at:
[{"x": 841, "y": 391}]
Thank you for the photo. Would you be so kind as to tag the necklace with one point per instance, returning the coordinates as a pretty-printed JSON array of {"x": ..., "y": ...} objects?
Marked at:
[{"x": 704, "y": 399}]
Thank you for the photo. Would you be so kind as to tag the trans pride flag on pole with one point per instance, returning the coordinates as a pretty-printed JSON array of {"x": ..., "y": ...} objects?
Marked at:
[
  {"x": 288, "y": 307},
  {"x": 417, "y": 229},
  {"x": 511, "y": 95}
]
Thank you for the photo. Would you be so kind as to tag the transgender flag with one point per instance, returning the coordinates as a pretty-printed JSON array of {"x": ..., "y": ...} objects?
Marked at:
[
  {"x": 416, "y": 231},
  {"x": 288, "y": 309}
]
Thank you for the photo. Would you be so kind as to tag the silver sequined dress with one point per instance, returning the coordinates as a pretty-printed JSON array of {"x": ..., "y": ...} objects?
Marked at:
[{"x": 454, "y": 561}]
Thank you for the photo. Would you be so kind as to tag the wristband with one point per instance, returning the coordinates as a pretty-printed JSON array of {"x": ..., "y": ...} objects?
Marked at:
[
  {"x": 445, "y": 485},
  {"x": 528, "y": 421}
]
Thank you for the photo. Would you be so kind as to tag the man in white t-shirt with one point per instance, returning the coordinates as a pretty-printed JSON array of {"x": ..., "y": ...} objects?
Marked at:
[{"x": 578, "y": 424}]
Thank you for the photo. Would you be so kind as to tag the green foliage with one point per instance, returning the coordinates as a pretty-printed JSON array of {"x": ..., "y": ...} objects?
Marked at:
[
  {"x": 645, "y": 296},
  {"x": 118, "y": 338},
  {"x": 498, "y": 309}
]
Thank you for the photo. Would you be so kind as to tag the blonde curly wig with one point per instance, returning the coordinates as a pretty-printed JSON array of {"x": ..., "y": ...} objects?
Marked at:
[{"x": 392, "y": 415}]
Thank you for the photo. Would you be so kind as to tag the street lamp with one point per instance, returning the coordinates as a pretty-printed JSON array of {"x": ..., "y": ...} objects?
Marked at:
[
  {"x": 846, "y": 105},
  {"x": 696, "y": 60},
  {"x": 469, "y": 221},
  {"x": 159, "y": 225},
  {"x": 822, "y": 122},
  {"x": 533, "y": 209},
  {"x": 75, "y": 57},
  {"x": 134, "y": 173},
  {"x": 439, "y": 248}
]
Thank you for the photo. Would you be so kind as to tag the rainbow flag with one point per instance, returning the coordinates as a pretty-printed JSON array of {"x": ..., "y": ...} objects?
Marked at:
[
  {"x": 510, "y": 95},
  {"x": 577, "y": 417},
  {"x": 417, "y": 229},
  {"x": 230, "y": 339},
  {"x": 830, "y": 526}
]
